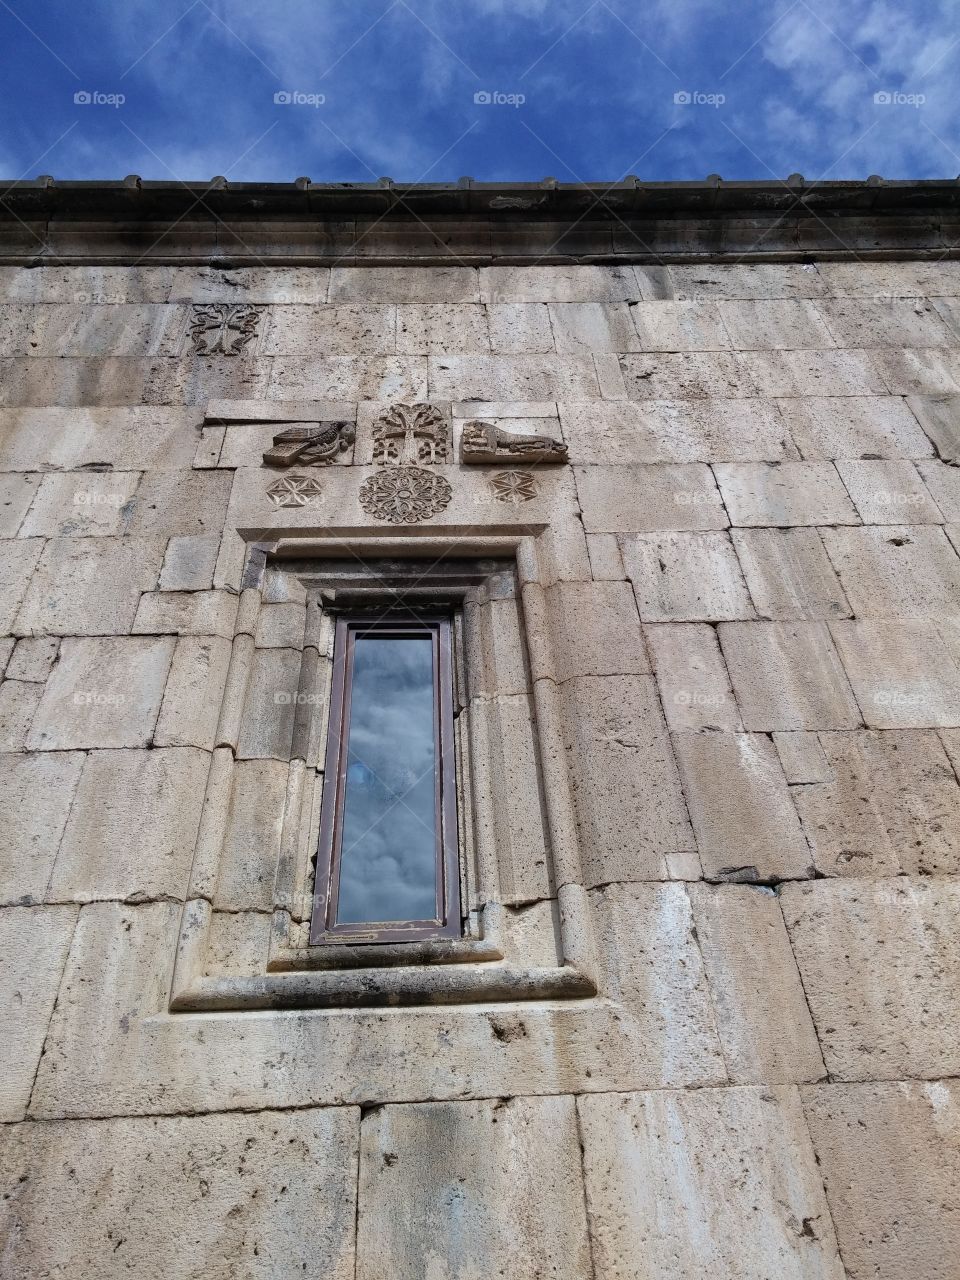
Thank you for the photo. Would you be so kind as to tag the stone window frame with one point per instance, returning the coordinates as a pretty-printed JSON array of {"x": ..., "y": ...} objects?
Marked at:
[
  {"x": 476, "y": 967},
  {"x": 324, "y": 927}
]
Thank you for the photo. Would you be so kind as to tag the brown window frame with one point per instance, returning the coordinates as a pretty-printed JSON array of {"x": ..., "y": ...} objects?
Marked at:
[{"x": 324, "y": 930}]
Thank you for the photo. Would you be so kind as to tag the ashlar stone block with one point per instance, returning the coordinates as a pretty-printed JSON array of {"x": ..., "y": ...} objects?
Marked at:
[
  {"x": 594, "y": 326},
  {"x": 516, "y": 327},
  {"x": 557, "y": 284},
  {"x": 897, "y": 571},
  {"x": 133, "y": 826},
  {"x": 762, "y": 1016},
  {"x": 192, "y": 699},
  {"x": 334, "y": 330},
  {"x": 782, "y": 325},
  {"x": 18, "y": 490},
  {"x": 187, "y": 504},
  {"x": 264, "y": 1195},
  {"x": 36, "y": 792},
  {"x": 34, "y": 942},
  {"x": 942, "y": 482},
  {"x": 19, "y": 700},
  {"x": 89, "y": 586},
  {"x": 204, "y": 613},
  {"x": 103, "y": 693},
  {"x": 889, "y": 492},
  {"x": 33, "y": 658},
  {"x": 694, "y": 687},
  {"x": 784, "y": 493},
  {"x": 18, "y": 559},
  {"x": 635, "y": 499},
  {"x": 905, "y": 674},
  {"x": 789, "y": 574},
  {"x": 189, "y": 563},
  {"x": 890, "y": 1164},
  {"x": 854, "y": 427},
  {"x": 880, "y": 964},
  {"x": 371, "y": 284},
  {"x": 815, "y": 373},
  {"x": 687, "y": 376},
  {"x": 593, "y": 630},
  {"x": 521, "y": 1205},
  {"x": 251, "y": 850},
  {"x": 898, "y": 322},
  {"x": 76, "y": 504},
  {"x": 748, "y": 1206},
  {"x": 787, "y": 676},
  {"x": 626, "y": 788},
  {"x": 746, "y": 826},
  {"x": 128, "y": 438},
  {"x": 939, "y": 416},
  {"x": 685, "y": 577}
]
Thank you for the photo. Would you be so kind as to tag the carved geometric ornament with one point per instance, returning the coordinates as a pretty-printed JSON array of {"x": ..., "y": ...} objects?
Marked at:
[
  {"x": 513, "y": 486},
  {"x": 411, "y": 434},
  {"x": 483, "y": 442},
  {"x": 223, "y": 328},
  {"x": 307, "y": 446},
  {"x": 295, "y": 491},
  {"x": 404, "y": 495}
]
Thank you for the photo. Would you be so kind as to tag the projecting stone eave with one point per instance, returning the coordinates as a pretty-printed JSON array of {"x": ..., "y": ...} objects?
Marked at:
[{"x": 468, "y": 223}]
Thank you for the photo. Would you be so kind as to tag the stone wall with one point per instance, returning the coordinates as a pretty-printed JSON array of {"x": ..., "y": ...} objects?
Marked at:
[{"x": 712, "y": 807}]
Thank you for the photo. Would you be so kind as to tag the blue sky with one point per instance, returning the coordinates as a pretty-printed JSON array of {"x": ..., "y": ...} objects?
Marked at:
[{"x": 430, "y": 90}]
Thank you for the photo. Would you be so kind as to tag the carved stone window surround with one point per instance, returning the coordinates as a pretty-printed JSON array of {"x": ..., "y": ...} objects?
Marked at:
[{"x": 474, "y": 968}]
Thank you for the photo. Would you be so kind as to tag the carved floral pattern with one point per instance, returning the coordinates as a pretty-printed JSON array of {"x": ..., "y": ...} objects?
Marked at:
[
  {"x": 404, "y": 495},
  {"x": 223, "y": 327},
  {"x": 410, "y": 434},
  {"x": 295, "y": 491},
  {"x": 513, "y": 486}
]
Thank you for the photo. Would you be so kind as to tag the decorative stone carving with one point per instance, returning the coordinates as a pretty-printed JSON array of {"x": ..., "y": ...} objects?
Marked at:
[
  {"x": 310, "y": 445},
  {"x": 408, "y": 434},
  {"x": 223, "y": 328},
  {"x": 404, "y": 495},
  {"x": 295, "y": 491},
  {"x": 483, "y": 442},
  {"x": 513, "y": 486}
]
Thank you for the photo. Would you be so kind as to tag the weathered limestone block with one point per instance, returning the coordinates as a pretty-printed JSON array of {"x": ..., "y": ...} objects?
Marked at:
[
  {"x": 557, "y": 284},
  {"x": 606, "y": 563},
  {"x": 192, "y": 699},
  {"x": 787, "y": 675},
  {"x": 685, "y": 577},
  {"x": 130, "y": 438},
  {"x": 939, "y": 416},
  {"x": 505, "y": 773},
  {"x": 881, "y": 968},
  {"x": 633, "y": 431},
  {"x": 281, "y": 626},
  {"x": 780, "y": 325},
  {"x": 815, "y": 373},
  {"x": 33, "y": 658},
  {"x": 87, "y": 284},
  {"x": 134, "y": 329},
  {"x": 183, "y": 503},
  {"x": 18, "y": 559},
  {"x": 890, "y": 1163},
  {"x": 133, "y": 826},
  {"x": 889, "y": 492},
  {"x": 625, "y": 782},
  {"x": 943, "y": 483},
  {"x": 892, "y": 806},
  {"x": 19, "y": 700},
  {"x": 903, "y": 281},
  {"x": 389, "y": 378},
  {"x": 634, "y": 499},
  {"x": 435, "y": 328},
  {"x": 189, "y": 563},
  {"x": 237, "y": 943},
  {"x": 494, "y": 648},
  {"x": 784, "y": 493},
  {"x": 687, "y": 375},
  {"x": 748, "y": 1206},
  {"x": 923, "y": 372},
  {"x": 679, "y": 326},
  {"x": 269, "y": 1196},
  {"x": 893, "y": 323},
  {"x": 740, "y": 807},
  {"x": 34, "y": 942},
  {"x": 18, "y": 491},
  {"x": 905, "y": 674},
  {"x": 102, "y": 693},
  {"x": 333, "y": 330},
  {"x": 89, "y": 586},
  {"x": 251, "y": 851},
  {"x": 789, "y": 574},
  {"x": 854, "y": 427},
  {"x": 762, "y": 1016},
  {"x": 592, "y": 629},
  {"x": 263, "y": 285},
  {"x": 506, "y": 377},
  {"x": 594, "y": 326},
  {"x": 7, "y": 644},
  {"x": 266, "y": 730},
  {"x": 196, "y": 613},
  {"x": 802, "y": 757},
  {"x": 694, "y": 687},
  {"x": 743, "y": 280},
  {"x": 36, "y": 792},
  {"x": 514, "y": 328},
  {"x": 897, "y": 571},
  {"x": 652, "y": 966},
  {"x": 404, "y": 284},
  {"x": 455, "y": 1190}
]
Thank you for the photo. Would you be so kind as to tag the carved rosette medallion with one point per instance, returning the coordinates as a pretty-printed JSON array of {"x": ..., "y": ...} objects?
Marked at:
[
  {"x": 404, "y": 495},
  {"x": 295, "y": 491},
  {"x": 223, "y": 328},
  {"x": 513, "y": 486}
]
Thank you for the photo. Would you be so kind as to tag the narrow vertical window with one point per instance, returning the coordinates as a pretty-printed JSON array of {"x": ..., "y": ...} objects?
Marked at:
[{"x": 387, "y": 865}]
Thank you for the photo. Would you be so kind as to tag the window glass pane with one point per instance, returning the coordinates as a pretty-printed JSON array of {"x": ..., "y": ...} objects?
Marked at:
[{"x": 388, "y": 853}]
